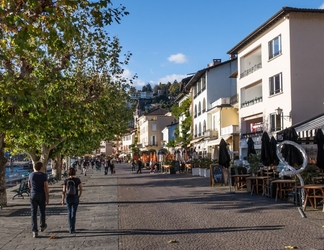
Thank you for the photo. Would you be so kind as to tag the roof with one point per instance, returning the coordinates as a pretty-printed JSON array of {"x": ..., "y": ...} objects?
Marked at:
[
  {"x": 268, "y": 24},
  {"x": 201, "y": 72}
]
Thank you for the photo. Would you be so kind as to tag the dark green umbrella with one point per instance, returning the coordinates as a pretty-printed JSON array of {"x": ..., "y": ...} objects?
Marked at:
[
  {"x": 265, "y": 149},
  {"x": 224, "y": 157}
]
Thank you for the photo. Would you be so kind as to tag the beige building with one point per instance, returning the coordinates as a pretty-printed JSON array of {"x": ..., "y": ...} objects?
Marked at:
[
  {"x": 280, "y": 73},
  {"x": 150, "y": 126}
]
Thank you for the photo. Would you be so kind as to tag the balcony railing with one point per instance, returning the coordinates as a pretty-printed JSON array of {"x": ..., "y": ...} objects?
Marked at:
[
  {"x": 251, "y": 70},
  {"x": 234, "y": 99},
  {"x": 233, "y": 129},
  {"x": 251, "y": 102},
  {"x": 211, "y": 133}
]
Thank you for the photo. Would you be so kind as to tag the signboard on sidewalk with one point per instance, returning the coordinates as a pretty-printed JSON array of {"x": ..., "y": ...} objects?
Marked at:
[{"x": 216, "y": 174}]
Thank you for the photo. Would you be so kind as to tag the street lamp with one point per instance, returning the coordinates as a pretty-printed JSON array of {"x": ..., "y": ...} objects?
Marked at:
[{"x": 279, "y": 112}]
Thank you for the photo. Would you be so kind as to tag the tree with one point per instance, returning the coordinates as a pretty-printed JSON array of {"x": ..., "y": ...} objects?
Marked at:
[
  {"x": 174, "y": 89},
  {"x": 147, "y": 88},
  {"x": 57, "y": 64},
  {"x": 182, "y": 133}
]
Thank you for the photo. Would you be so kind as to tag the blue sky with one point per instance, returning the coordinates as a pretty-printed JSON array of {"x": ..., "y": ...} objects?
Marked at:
[{"x": 170, "y": 39}]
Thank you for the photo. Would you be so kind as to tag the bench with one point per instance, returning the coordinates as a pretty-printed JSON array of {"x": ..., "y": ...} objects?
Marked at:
[{"x": 21, "y": 190}]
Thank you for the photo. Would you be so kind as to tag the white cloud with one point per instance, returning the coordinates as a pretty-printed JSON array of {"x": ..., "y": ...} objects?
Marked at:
[
  {"x": 322, "y": 6},
  {"x": 178, "y": 58}
]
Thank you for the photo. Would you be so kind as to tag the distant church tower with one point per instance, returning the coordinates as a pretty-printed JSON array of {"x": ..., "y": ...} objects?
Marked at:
[{"x": 137, "y": 113}]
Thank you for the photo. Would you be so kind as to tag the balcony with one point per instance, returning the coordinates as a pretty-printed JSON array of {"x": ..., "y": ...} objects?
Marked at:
[
  {"x": 220, "y": 102},
  {"x": 234, "y": 99},
  {"x": 253, "y": 101},
  {"x": 229, "y": 130},
  {"x": 251, "y": 70},
  {"x": 211, "y": 133}
]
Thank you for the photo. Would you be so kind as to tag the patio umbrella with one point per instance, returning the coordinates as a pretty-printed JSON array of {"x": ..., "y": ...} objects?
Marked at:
[
  {"x": 224, "y": 157},
  {"x": 154, "y": 158},
  {"x": 290, "y": 152},
  {"x": 251, "y": 149},
  {"x": 273, "y": 153},
  {"x": 265, "y": 149},
  {"x": 319, "y": 137}
]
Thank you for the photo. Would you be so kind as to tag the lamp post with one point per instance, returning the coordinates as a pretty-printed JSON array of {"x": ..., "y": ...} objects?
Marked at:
[{"x": 279, "y": 112}]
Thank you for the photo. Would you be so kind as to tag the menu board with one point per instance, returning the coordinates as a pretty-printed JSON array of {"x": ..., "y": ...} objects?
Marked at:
[{"x": 216, "y": 174}]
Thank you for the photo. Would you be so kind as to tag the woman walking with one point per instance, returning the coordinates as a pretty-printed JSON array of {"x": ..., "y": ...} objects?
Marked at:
[{"x": 72, "y": 190}]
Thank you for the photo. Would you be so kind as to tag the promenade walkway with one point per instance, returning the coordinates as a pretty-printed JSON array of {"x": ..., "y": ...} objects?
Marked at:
[{"x": 130, "y": 211}]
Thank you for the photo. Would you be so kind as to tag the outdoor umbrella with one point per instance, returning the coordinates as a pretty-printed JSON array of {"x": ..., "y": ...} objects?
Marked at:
[
  {"x": 265, "y": 149},
  {"x": 319, "y": 137},
  {"x": 273, "y": 151},
  {"x": 290, "y": 152},
  {"x": 224, "y": 157},
  {"x": 251, "y": 149}
]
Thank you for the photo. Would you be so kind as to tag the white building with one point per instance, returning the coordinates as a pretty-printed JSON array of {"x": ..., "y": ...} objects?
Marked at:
[
  {"x": 280, "y": 65},
  {"x": 209, "y": 85}
]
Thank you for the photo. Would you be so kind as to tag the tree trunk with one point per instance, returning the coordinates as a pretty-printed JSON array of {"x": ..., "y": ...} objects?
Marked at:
[
  {"x": 3, "y": 161},
  {"x": 59, "y": 160}
]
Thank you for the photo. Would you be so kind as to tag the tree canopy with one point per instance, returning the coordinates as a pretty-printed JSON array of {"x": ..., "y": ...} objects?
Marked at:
[{"x": 60, "y": 75}]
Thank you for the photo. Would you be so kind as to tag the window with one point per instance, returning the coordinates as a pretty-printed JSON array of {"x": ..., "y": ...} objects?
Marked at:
[
  {"x": 195, "y": 110},
  {"x": 204, "y": 106},
  {"x": 275, "y": 122},
  {"x": 153, "y": 140},
  {"x": 275, "y": 84},
  {"x": 199, "y": 108},
  {"x": 153, "y": 127},
  {"x": 275, "y": 47}
]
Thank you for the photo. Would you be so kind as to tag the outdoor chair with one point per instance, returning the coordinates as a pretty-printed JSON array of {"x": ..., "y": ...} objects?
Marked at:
[{"x": 22, "y": 189}]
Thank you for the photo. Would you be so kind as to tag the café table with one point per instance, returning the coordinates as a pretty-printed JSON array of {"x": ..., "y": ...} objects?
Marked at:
[
  {"x": 255, "y": 184},
  {"x": 240, "y": 180},
  {"x": 283, "y": 186},
  {"x": 313, "y": 193}
]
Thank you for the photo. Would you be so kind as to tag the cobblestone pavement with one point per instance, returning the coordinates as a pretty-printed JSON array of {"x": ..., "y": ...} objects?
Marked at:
[
  {"x": 162, "y": 211},
  {"x": 96, "y": 226},
  {"x": 130, "y": 211}
]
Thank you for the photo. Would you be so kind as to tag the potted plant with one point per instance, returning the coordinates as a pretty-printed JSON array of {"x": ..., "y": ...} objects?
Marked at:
[{"x": 254, "y": 161}]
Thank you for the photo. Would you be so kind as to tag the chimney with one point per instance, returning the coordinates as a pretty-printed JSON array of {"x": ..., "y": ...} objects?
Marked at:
[{"x": 215, "y": 62}]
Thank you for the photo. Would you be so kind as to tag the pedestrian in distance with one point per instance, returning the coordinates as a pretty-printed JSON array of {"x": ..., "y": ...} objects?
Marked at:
[
  {"x": 72, "y": 190},
  {"x": 107, "y": 165},
  {"x": 139, "y": 166},
  {"x": 133, "y": 165},
  {"x": 112, "y": 166},
  {"x": 151, "y": 167},
  {"x": 39, "y": 197}
]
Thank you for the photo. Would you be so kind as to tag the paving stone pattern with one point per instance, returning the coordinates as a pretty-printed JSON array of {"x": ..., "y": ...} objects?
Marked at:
[{"x": 132, "y": 211}]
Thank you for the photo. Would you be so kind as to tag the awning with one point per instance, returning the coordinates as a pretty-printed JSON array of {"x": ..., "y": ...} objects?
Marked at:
[
  {"x": 196, "y": 140},
  {"x": 216, "y": 142},
  {"x": 253, "y": 117}
]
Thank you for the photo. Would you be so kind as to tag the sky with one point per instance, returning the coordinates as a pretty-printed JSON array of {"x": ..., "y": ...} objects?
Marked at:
[{"x": 171, "y": 39}]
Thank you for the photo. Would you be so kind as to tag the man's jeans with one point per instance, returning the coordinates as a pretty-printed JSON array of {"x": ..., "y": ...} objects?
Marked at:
[
  {"x": 37, "y": 200},
  {"x": 72, "y": 206}
]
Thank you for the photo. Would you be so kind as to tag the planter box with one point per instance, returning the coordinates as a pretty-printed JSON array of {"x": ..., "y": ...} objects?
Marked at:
[
  {"x": 207, "y": 172},
  {"x": 195, "y": 171}
]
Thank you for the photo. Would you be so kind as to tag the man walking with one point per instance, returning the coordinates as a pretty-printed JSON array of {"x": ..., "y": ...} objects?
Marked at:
[
  {"x": 39, "y": 197},
  {"x": 139, "y": 166}
]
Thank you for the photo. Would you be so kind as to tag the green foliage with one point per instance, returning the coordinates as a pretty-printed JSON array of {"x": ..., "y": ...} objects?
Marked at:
[
  {"x": 171, "y": 144},
  {"x": 61, "y": 73},
  {"x": 254, "y": 160},
  {"x": 186, "y": 124}
]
